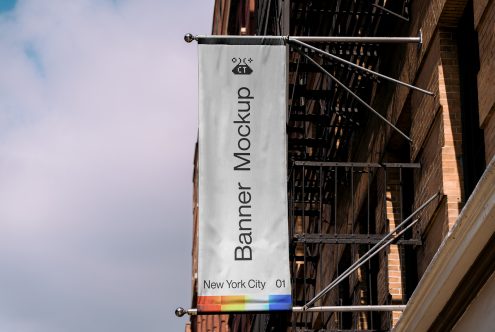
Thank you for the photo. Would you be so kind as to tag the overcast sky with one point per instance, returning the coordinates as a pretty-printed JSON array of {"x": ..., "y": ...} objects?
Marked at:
[{"x": 98, "y": 119}]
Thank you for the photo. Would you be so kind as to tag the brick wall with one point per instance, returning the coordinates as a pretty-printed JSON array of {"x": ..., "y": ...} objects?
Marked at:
[
  {"x": 452, "y": 127},
  {"x": 394, "y": 216},
  {"x": 489, "y": 131},
  {"x": 484, "y": 16},
  {"x": 209, "y": 323},
  {"x": 389, "y": 215},
  {"x": 436, "y": 130}
]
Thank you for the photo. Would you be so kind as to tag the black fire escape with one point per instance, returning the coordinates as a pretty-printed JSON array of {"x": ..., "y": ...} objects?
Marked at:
[{"x": 335, "y": 213}]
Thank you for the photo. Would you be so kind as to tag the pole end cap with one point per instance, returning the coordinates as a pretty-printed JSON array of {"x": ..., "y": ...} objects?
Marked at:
[
  {"x": 188, "y": 37},
  {"x": 179, "y": 312}
]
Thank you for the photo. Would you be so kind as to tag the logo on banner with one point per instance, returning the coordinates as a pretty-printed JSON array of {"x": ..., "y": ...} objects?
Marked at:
[{"x": 242, "y": 68}]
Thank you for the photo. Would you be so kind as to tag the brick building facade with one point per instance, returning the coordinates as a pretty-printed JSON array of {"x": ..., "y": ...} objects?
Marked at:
[{"x": 353, "y": 178}]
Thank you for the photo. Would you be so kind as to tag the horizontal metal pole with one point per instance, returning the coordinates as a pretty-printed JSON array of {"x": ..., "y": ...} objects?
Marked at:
[
  {"x": 351, "y": 308},
  {"x": 338, "y": 308},
  {"x": 318, "y": 39},
  {"x": 351, "y": 39}
]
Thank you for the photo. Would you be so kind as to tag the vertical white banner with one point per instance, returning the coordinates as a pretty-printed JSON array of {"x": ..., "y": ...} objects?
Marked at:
[{"x": 243, "y": 227}]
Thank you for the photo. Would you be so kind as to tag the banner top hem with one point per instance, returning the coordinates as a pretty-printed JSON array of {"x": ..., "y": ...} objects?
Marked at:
[{"x": 242, "y": 40}]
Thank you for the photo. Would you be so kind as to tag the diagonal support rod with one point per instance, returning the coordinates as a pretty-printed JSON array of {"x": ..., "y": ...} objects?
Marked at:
[
  {"x": 389, "y": 238},
  {"x": 370, "y": 254},
  {"x": 353, "y": 94},
  {"x": 352, "y": 64},
  {"x": 390, "y": 12}
]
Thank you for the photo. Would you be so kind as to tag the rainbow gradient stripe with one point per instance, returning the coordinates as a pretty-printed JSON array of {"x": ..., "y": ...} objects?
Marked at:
[{"x": 239, "y": 303}]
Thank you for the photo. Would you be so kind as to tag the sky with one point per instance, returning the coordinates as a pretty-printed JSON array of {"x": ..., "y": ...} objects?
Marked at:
[{"x": 98, "y": 120}]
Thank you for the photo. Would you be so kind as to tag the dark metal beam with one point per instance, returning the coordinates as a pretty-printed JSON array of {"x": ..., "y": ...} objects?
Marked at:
[{"x": 348, "y": 239}]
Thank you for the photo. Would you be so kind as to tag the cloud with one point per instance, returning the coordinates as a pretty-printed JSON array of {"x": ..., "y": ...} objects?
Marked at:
[{"x": 97, "y": 130}]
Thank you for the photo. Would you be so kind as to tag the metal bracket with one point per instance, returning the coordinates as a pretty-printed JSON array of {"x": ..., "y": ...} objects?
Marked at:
[{"x": 388, "y": 239}]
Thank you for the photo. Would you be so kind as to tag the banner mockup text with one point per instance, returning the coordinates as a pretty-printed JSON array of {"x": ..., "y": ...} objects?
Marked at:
[{"x": 243, "y": 255}]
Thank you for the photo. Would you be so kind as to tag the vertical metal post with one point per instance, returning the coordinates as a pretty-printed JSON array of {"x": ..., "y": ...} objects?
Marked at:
[
  {"x": 370, "y": 283},
  {"x": 320, "y": 245},
  {"x": 352, "y": 199},
  {"x": 304, "y": 315},
  {"x": 335, "y": 200},
  {"x": 303, "y": 198},
  {"x": 321, "y": 200},
  {"x": 293, "y": 226},
  {"x": 387, "y": 225},
  {"x": 401, "y": 195},
  {"x": 399, "y": 247},
  {"x": 385, "y": 189},
  {"x": 294, "y": 85}
]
